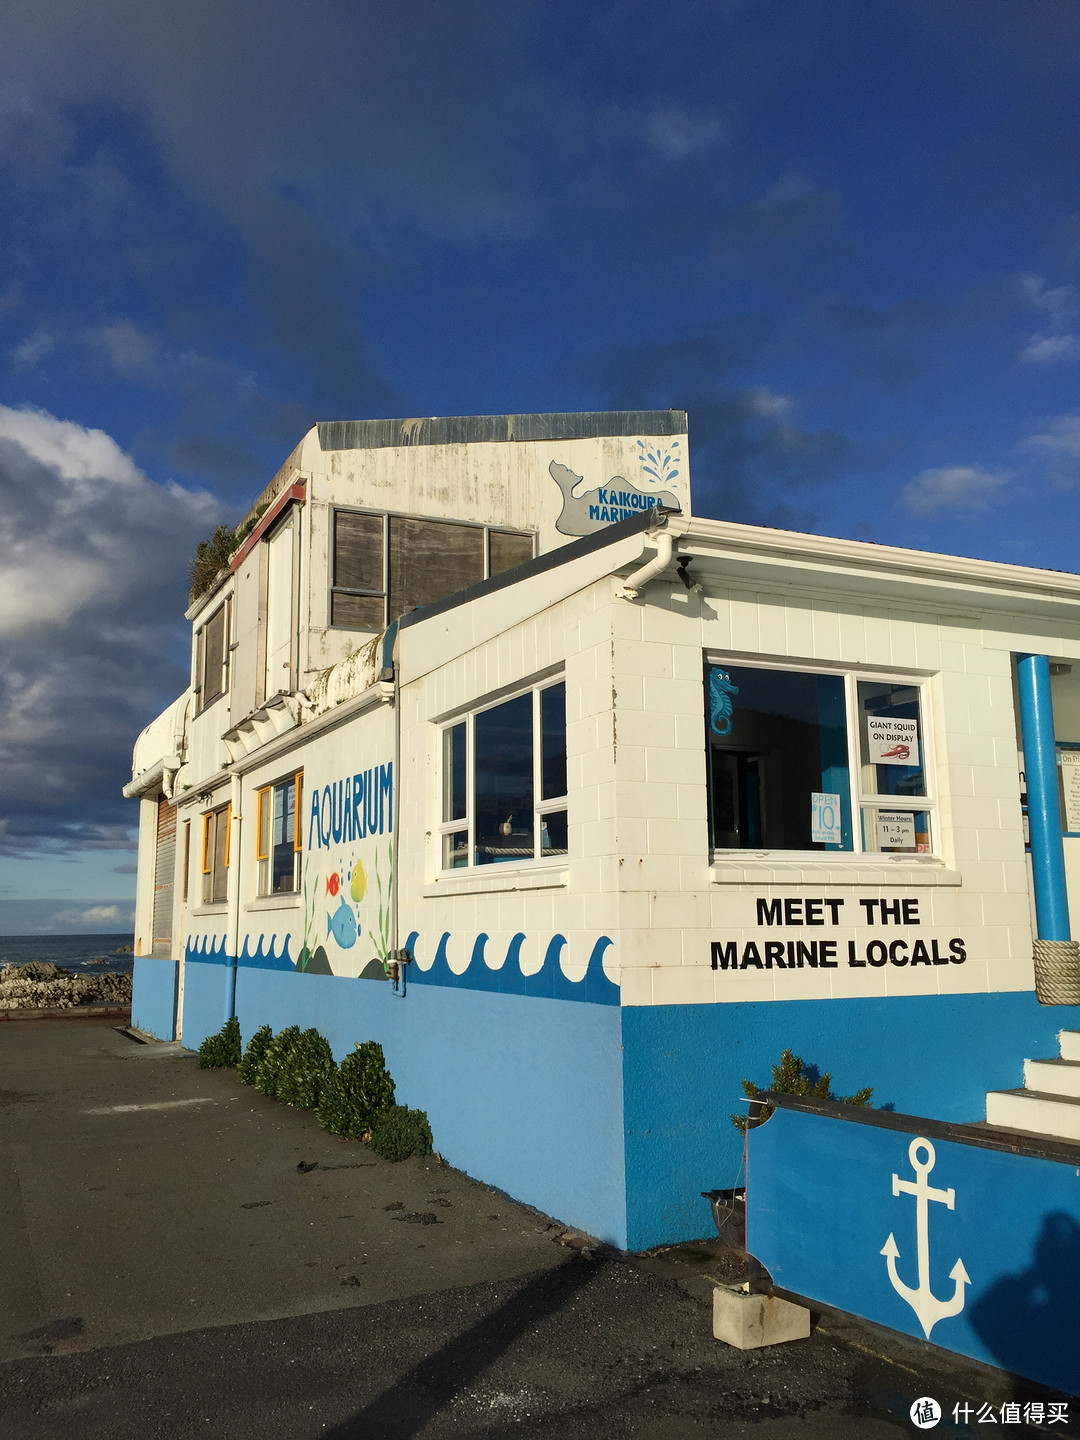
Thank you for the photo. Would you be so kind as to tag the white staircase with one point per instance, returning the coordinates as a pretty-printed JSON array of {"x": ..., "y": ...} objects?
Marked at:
[{"x": 1049, "y": 1103}]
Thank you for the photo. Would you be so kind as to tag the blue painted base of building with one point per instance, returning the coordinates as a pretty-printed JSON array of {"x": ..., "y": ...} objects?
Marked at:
[
  {"x": 615, "y": 1120},
  {"x": 153, "y": 998}
]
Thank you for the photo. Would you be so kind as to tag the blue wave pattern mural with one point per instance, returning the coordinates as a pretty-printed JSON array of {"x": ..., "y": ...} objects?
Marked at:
[
  {"x": 269, "y": 958},
  {"x": 209, "y": 950},
  {"x": 549, "y": 982}
]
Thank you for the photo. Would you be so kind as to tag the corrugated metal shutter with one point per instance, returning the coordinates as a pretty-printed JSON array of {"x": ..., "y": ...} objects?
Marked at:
[{"x": 164, "y": 875}]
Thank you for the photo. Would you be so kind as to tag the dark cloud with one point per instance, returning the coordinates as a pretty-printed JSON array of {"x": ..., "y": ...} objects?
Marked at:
[
  {"x": 752, "y": 459},
  {"x": 92, "y": 581}
]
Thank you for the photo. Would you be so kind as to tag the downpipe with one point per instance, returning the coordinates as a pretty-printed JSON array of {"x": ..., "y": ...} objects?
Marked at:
[
  {"x": 396, "y": 960},
  {"x": 633, "y": 584}
]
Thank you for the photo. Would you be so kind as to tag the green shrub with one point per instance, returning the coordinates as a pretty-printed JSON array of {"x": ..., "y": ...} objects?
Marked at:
[
  {"x": 223, "y": 1049},
  {"x": 356, "y": 1092},
  {"x": 400, "y": 1132},
  {"x": 269, "y": 1071},
  {"x": 788, "y": 1078},
  {"x": 305, "y": 1071},
  {"x": 253, "y": 1055}
]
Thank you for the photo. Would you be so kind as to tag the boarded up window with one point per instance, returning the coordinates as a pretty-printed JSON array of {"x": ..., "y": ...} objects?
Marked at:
[
  {"x": 215, "y": 855},
  {"x": 431, "y": 559},
  {"x": 508, "y": 549},
  {"x": 357, "y": 612},
  {"x": 164, "y": 874},
  {"x": 357, "y": 601},
  {"x": 213, "y": 639}
]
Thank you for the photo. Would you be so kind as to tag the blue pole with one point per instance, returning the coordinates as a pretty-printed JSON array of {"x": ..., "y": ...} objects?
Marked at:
[{"x": 1044, "y": 811}]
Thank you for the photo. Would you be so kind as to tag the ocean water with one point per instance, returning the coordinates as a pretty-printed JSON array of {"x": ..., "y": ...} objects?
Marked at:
[{"x": 85, "y": 954}]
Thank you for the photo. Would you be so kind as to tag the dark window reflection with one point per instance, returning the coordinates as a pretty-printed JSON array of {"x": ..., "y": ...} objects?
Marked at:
[{"x": 504, "y": 782}]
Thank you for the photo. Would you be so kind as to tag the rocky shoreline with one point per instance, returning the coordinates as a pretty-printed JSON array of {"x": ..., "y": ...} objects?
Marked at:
[{"x": 41, "y": 985}]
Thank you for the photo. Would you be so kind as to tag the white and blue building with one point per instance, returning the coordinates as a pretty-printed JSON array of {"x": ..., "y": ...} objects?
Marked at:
[{"x": 586, "y": 808}]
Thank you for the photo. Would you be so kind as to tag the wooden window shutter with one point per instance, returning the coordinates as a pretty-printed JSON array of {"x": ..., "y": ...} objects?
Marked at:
[
  {"x": 358, "y": 551},
  {"x": 508, "y": 549},
  {"x": 431, "y": 559}
]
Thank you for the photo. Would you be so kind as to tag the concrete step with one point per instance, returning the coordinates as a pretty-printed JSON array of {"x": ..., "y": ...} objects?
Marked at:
[
  {"x": 1069, "y": 1044},
  {"x": 1034, "y": 1111},
  {"x": 1053, "y": 1077}
]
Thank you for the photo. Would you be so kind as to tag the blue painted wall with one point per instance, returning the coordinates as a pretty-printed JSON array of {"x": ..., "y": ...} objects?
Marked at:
[
  {"x": 153, "y": 999},
  {"x": 933, "y": 1055},
  {"x": 522, "y": 1093},
  {"x": 207, "y": 996}
]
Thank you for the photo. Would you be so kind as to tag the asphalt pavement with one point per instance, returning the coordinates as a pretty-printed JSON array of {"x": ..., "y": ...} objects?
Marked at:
[{"x": 183, "y": 1257}]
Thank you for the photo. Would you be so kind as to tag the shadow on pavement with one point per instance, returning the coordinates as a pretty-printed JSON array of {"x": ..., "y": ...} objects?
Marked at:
[{"x": 403, "y": 1409}]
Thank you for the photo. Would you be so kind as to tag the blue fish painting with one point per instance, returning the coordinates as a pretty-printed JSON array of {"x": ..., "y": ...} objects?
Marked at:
[{"x": 342, "y": 925}]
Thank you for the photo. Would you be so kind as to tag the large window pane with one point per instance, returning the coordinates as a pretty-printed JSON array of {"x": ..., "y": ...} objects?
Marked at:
[
  {"x": 777, "y": 739},
  {"x": 891, "y": 739},
  {"x": 553, "y": 729},
  {"x": 454, "y": 798},
  {"x": 283, "y": 854},
  {"x": 504, "y": 818}
]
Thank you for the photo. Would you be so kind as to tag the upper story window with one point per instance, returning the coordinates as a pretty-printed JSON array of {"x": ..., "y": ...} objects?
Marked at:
[
  {"x": 820, "y": 762},
  {"x": 279, "y": 836},
  {"x": 215, "y": 855},
  {"x": 504, "y": 781},
  {"x": 384, "y": 565},
  {"x": 212, "y": 656}
]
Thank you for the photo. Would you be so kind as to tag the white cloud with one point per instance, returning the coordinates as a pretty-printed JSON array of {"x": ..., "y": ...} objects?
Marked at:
[
  {"x": 93, "y": 560},
  {"x": 675, "y": 134},
  {"x": 1057, "y": 446},
  {"x": 953, "y": 487},
  {"x": 1061, "y": 305},
  {"x": 95, "y": 915},
  {"x": 35, "y": 348}
]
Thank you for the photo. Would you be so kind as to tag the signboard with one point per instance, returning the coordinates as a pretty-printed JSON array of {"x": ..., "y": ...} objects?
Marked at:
[
  {"x": 896, "y": 829},
  {"x": 893, "y": 742},
  {"x": 944, "y": 1236},
  {"x": 1069, "y": 766},
  {"x": 825, "y": 819}
]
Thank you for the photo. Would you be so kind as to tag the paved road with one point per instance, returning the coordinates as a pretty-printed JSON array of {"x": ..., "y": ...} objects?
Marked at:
[{"x": 167, "y": 1271}]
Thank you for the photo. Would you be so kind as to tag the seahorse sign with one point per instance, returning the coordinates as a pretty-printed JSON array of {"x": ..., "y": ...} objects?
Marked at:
[{"x": 720, "y": 707}]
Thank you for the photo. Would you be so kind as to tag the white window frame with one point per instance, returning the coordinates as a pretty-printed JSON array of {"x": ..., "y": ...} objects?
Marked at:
[
  {"x": 265, "y": 801},
  {"x": 541, "y": 808},
  {"x": 860, "y": 800}
]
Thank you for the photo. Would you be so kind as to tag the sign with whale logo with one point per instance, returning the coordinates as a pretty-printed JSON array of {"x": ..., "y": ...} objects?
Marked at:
[{"x": 586, "y": 509}]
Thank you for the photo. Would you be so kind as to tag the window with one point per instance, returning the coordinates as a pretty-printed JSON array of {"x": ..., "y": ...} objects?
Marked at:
[
  {"x": 212, "y": 657},
  {"x": 215, "y": 855},
  {"x": 384, "y": 565},
  {"x": 279, "y": 834},
  {"x": 504, "y": 781},
  {"x": 794, "y": 755}
]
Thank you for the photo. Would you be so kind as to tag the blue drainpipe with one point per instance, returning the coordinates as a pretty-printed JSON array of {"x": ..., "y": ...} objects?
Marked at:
[{"x": 1044, "y": 811}]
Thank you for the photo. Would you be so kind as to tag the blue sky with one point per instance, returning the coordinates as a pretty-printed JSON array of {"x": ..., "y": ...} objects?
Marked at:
[{"x": 845, "y": 237}]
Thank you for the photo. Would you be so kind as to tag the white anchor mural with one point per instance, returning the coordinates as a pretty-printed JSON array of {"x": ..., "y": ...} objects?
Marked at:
[{"x": 928, "y": 1308}]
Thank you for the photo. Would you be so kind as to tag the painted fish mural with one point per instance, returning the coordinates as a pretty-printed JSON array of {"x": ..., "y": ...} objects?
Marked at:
[
  {"x": 342, "y": 925},
  {"x": 358, "y": 885}
]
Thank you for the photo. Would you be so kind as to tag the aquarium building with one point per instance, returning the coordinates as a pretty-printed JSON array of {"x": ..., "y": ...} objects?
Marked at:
[{"x": 586, "y": 808}]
